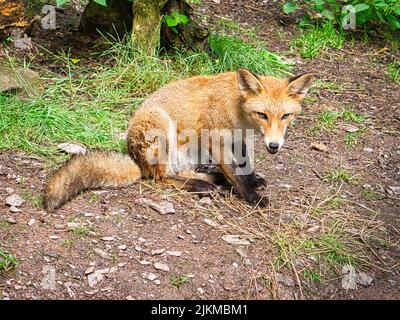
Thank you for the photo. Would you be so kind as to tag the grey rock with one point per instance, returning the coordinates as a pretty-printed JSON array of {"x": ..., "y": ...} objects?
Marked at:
[
  {"x": 161, "y": 266},
  {"x": 14, "y": 201},
  {"x": 49, "y": 280},
  {"x": 163, "y": 207}
]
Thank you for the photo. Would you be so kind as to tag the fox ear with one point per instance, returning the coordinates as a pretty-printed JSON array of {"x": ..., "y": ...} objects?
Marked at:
[
  {"x": 249, "y": 83},
  {"x": 299, "y": 85}
]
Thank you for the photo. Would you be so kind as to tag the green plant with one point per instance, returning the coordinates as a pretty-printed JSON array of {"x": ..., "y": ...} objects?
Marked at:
[
  {"x": 393, "y": 69},
  {"x": 174, "y": 19},
  {"x": 367, "y": 12},
  {"x": 8, "y": 261},
  {"x": 316, "y": 39},
  {"x": 178, "y": 280},
  {"x": 312, "y": 275},
  {"x": 232, "y": 53},
  {"x": 339, "y": 175}
]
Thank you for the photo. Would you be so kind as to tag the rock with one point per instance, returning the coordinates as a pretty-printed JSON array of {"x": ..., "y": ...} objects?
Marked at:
[
  {"x": 350, "y": 128},
  {"x": 364, "y": 279},
  {"x": 89, "y": 270},
  {"x": 31, "y": 222},
  {"x": 235, "y": 265},
  {"x": 14, "y": 201},
  {"x": 210, "y": 222},
  {"x": 122, "y": 247},
  {"x": 349, "y": 278},
  {"x": 235, "y": 240},
  {"x": 369, "y": 150},
  {"x": 96, "y": 277},
  {"x": 161, "y": 266},
  {"x": 20, "y": 79},
  {"x": 157, "y": 282},
  {"x": 319, "y": 147},
  {"x": 54, "y": 237},
  {"x": 281, "y": 278},
  {"x": 174, "y": 253},
  {"x": 8, "y": 220},
  {"x": 395, "y": 189},
  {"x": 15, "y": 209},
  {"x": 144, "y": 262},
  {"x": 23, "y": 43},
  {"x": 201, "y": 290},
  {"x": 102, "y": 253},
  {"x": 217, "y": 1},
  {"x": 313, "y": 229},
  {"x": 163, "y": 207},
  {"x": 157, "y": 251},
  {"x": 72, "y": 148},
  {"x": 152, "y": 276},
  {"x": 108, "y": 238},
  {"x": 205, "y": 200},
  {"x": 9, "y": 190},
  {"x": 49, "y": 280}
]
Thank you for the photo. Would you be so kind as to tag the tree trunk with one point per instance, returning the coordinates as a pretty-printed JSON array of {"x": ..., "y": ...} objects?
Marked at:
[
  {"x": 146, "y": 24},
  {"x": 144, "y": 18}
]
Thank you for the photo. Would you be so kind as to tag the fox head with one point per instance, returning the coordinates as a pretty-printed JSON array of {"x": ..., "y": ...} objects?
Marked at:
[{"x": 270, "y": 104}]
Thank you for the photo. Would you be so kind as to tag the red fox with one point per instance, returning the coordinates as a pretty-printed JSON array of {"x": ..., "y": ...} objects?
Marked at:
[{"x": 227, "y": 101}]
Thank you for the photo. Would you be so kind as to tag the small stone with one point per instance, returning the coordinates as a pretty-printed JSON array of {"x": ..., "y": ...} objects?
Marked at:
[
  {"x": 102, "y": 253},
  {"x": 31, "y": 222},
  {"x": 140, "y": 239},
  {"x": 161, "y": 266},
  {"x": 72, "y": 148},
  {"x": 157, "y": 251},
  {"x": 144, "y": 262},
  {"x": 369, "y": 150},
  {"x": 15, "y": 209},
  {"x": 14, "y": 201},
  {"x": 157, "y": 282},
  {"x": 201, "y": 290},
  {"x": 319, "y": 147},
  {"x": 181, "y": 237},
  {"x": 235, "y": 240},
  {"x": 210, "y": 222},
  {"x": 49, "y": 280},
  {"x": 95, "y": 277},
  {"x": 205, "y": 200},
  {"x": 395, "y": 189},
  {"x": 364, "y": 279},
  {"x": 122, "y": 247},
  {"x": 89, "y": 270},
  {"x": 350, "y": 128},
  {"x": 163, "y": 207},
  {"x": 130, "y": 298},
  {"x": 281, "y": 278},
  {"x": 108, "y": 238},
  {"x": 9, "y": 190},
  {"x": 152, "y": 276},
  {"x": 235, "y": 265},
  {"x": 174, "y": 253},
  {"x": 54, "y": 237}
]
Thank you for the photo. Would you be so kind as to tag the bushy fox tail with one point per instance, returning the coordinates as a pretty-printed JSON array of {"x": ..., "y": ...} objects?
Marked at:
[{"x": 90, "y": 171}]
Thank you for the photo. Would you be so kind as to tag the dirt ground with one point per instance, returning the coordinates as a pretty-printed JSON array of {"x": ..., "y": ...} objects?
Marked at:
[{"x": 107, "y": 244}]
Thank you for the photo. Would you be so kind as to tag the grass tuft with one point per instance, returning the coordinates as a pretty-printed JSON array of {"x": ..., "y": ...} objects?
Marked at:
[{"x": 8, "y": 261}]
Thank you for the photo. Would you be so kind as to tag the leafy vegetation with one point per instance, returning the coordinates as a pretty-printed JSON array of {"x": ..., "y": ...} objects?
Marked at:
[
  {"x": 367, "y": 13},
  {"x": 8, "y": 261}
]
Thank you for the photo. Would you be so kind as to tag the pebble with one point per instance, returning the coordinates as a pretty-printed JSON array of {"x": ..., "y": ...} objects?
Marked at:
[
  {"x": 102, "y": 253},
  {"x": 157, "y": 251},
  {"x": 31, "y": 222},
  {"x": 144, "y": 262},
  {"x": 49, "y": 280},
  {"x": 152, "y": 276},
  {"x": 174, "y": 253},
  {"x": 122, "y": 247},
  {"x": 161, "y": 266},
  {"x": 108, "y": 238},
  {"x": 14, "y": 201},
  {"x": 205, "y": 200},
  {"x": 9, "y": 190},
  {"x": 54, "y": 237},
  {"x": 201, "y": 290},
  {"x": 369, "y": 150},
  {"x": 15, "y": 209},
  {"x": 235, "y": 240},
  {"x": 163, "y": 207},
  {"x": 210, "y": 222}
]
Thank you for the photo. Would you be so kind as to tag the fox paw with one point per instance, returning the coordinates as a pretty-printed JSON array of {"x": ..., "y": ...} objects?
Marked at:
[
  {"x": 257, "y": 200},
  {"x": 258, "y": 181}
]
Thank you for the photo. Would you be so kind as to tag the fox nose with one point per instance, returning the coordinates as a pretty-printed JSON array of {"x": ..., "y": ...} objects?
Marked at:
[{"x": 273, "y": 146}]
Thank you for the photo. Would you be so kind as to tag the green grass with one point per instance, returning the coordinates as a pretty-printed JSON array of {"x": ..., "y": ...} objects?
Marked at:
[
  {"x": 81, "y": 231},
  {"x": 339, "y": 175},
  {"x": 91, "y": 105},
  {"x": 370, "y": 195},
  {"x": 349, "y": 115},
  {"x": 8, "y": 261},
  {"x": 178, "y": 281},
  {"x": 393, "y": 70},
  {"x": 312, "y": 275},
  {"x": 232, "y": 53},
  {"x": 315, "y": 40}
]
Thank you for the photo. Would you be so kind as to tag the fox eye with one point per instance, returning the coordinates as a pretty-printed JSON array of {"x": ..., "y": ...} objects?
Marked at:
[
  {"x": 263, "y": 116},
  {"x": 285, "y": 116}
]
